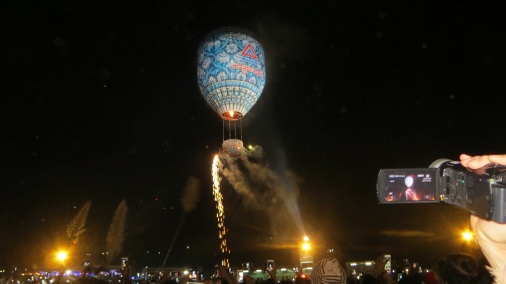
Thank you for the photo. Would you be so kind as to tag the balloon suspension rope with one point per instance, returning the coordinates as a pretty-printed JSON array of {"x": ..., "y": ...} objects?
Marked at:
[{"x": 229, "y": 134}]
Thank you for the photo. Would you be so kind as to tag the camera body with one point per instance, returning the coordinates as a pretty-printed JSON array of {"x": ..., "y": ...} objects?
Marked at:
[{"x": 480, "y": 192}]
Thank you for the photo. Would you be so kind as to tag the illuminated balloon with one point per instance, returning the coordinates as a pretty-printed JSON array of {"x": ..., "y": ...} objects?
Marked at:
[
  {"x": 231, "y": 71},
  {"x": 409, "y": 181}
]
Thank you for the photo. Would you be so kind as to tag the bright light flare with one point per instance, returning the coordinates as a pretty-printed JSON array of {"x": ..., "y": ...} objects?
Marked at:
[
  {"x": 61, "y": 256},
  {"x": 467, "y": 235},
  {"x": 231, "y": 113},
  {"x": 220, "y": 216},
  {"x": 306, "y": 246}
]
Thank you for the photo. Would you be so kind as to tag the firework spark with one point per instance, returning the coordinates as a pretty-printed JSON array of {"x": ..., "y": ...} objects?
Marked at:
[{"x": 220, "y": 215}]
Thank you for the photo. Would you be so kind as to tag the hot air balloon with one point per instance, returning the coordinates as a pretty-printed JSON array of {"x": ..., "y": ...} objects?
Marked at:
[{"x": 231, "y": 77}]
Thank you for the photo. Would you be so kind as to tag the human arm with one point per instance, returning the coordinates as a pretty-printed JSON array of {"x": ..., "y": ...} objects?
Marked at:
[
  {"x": 225, "y": 275},
  {"x": 272, "y": 273},
  {"x": 379, "y": 270},
  {"x": 490, "y": 235}
]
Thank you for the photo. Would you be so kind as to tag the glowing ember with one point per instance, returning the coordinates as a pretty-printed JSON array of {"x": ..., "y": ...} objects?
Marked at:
[
  {"x": 220, "y": 216},
  {"x": 232, "y": 114}
]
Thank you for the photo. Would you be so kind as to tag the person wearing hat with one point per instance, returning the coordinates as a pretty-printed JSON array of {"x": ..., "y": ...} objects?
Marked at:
[{"x": 328, "y": 271}]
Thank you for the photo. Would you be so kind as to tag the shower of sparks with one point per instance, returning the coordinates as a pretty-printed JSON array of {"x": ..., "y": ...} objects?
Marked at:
[{"x": 220, "y": 215}]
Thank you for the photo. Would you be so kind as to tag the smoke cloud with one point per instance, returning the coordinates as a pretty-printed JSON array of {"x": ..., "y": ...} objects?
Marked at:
[
  {"x": 191, "y": 194},
  {"x": 76, "y": 228},
  {"x": 116, "y": 234},
  {"x": 264, "y": 189}
]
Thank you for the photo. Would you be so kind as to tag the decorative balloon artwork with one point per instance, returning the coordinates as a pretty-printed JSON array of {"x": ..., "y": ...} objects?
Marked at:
[
  {"x": 231, "y": 71},
  {"x": 231, "y": 78}
]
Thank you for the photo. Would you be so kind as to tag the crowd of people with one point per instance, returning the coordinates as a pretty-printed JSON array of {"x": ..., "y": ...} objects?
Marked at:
[{"x": 454, "y": 269}]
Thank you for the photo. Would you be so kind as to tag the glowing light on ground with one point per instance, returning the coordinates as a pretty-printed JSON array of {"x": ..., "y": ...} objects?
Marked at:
[{"x": 220, "y": 215}]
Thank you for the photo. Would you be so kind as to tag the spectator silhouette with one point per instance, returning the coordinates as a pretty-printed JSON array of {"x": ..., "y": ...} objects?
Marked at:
[
  {"x": 462, "y": 269},
  {"x": 369, "y": 279}
]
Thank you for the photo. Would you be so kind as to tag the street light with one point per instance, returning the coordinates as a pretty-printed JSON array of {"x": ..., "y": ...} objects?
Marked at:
[
  {"x": 467, "y": 236},
  {"x": 61, "y": 256},
  {"x": 305, "y": 245},
  {"x": 306, "y": 256}
]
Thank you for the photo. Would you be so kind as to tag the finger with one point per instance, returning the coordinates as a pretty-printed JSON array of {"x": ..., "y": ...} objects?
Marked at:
[
  {"x": 498, "y": 159},
  {"x": 475, "y": 162},
  {"x": 473, "y": 221},
  {"x": 465, "y": 157}
]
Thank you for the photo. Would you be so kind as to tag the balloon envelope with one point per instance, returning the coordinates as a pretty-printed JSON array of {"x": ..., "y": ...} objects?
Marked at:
[{"x": 231, "y": 71}]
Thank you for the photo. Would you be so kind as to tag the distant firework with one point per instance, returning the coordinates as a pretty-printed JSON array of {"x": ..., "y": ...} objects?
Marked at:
[{"x": 220, "y": 215}]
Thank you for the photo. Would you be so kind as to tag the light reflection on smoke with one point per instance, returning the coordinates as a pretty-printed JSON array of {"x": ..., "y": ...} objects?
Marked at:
[{"x": 407, "y": 233}]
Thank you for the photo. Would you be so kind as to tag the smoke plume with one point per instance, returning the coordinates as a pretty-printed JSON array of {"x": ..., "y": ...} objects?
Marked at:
[
  {"x": 238, "y": 181},
  {"x": 189, "y": 199},
  {"x": 76, "y": 227},
  {"x": 191, "y": 193},
  {"x": 262, "y": 188},
  {"x": 116, "y": 234}
]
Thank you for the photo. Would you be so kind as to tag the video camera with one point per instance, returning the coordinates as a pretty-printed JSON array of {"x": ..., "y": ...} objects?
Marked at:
[{"x": 480, "y": 192}]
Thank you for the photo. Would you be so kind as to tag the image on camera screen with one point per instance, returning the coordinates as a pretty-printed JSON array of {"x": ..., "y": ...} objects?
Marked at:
[{"x": 408, "y": 186}]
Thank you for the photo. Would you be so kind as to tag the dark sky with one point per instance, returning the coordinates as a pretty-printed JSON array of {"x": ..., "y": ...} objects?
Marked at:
[{"x": 100, "y": 102}]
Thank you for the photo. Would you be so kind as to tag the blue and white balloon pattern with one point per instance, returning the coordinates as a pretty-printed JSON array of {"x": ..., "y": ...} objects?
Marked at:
[{"x": 231, "y": 71}]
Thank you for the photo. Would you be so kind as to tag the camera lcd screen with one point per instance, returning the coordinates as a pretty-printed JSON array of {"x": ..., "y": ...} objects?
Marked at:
[{"x": 408, "y": 186}]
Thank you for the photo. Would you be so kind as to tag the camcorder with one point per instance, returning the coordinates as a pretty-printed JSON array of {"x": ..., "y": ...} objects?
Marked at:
[{"x": 480, "y": 192}]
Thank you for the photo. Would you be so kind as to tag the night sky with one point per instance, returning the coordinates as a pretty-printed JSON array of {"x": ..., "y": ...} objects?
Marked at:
[{"x": 100, "y": 102}]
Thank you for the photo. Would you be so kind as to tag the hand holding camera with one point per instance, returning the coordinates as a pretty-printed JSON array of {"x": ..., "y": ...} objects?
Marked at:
[
  {"x": 480, "y": 190},
  {"x": 476, "y": 184}
]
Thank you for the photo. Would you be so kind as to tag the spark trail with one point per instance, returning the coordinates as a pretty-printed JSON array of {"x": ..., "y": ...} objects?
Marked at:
[{"x": 220, "y": 215}]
